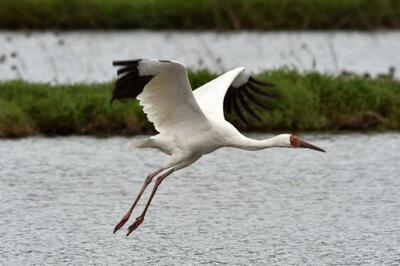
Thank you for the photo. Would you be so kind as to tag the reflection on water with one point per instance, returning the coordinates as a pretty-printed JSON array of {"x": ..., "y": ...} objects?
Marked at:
[
  {"x": 87, "y": 56},
  {"x": 61, "y": 197}
]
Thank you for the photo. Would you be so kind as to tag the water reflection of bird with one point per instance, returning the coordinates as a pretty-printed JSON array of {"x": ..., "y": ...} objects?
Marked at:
[{"x": 191, "y": 124}]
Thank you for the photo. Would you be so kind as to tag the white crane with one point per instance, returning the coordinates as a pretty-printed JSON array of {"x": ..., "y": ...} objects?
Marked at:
[{"x": 191, "y": 124}]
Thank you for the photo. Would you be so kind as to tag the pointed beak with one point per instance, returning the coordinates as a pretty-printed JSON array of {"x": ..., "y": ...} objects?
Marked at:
[{"x": 307, "y": 145}]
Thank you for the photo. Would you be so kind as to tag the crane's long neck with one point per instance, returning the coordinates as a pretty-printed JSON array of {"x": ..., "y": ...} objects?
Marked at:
[{"x": 255, "y": 144}]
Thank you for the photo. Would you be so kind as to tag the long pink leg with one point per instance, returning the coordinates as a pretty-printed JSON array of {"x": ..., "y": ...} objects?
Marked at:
[
  {"x": 148, "y": 180},
  {"x": 140, "y": 218}
]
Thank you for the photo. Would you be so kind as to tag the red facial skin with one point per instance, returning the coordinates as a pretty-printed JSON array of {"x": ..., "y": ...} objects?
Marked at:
[
  {"x": 298, "y": 143},
  {"x": 295, "y": 140}
]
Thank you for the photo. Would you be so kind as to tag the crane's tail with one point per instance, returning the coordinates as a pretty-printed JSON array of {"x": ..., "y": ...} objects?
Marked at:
[
  {"x": 149, "y": 143},
  {"x": 143, "y": 143}
]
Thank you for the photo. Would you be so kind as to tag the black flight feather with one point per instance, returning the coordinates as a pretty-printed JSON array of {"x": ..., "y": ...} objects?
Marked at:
[
  {"x": 127, "y": 62},
  {"x": 126, "y": 69},
  {"x": 259, "y": 91},
  {"x": 255, "y": 101},
  {"x": 261, "y": 82},
  {"x": 246, "y": 106},
  {"x": 237, "y": 109},
  {"x": 129, "y": 83},
  {"x": 228, "y": 102}
]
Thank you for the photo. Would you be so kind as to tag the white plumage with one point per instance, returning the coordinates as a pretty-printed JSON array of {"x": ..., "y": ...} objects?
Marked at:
[
  {"x": 168, "y": 100},
  {"x": 211, "y": 95},
  {"x": 191, "y": 124}
]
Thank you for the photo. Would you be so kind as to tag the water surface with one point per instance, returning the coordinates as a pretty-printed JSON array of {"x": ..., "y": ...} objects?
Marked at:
[
  {"x": 61, "y": 197},
  {"x": 81, "y": 56}
]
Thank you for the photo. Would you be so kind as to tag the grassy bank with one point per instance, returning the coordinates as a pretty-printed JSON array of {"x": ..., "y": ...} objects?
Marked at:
[
  {"x": 200, "y": 14},
  {"x": 307, "y": 102}
]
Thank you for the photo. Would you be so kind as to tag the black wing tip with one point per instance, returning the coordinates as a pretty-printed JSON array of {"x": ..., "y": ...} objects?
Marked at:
[
  {"x": 236, "y": 99},
  {"x": 247, "y": 107},
  {"x": 262, "y": 83},
  {"x": 227, "y": 105},
  {"x": 135, "y": 62},
  {"x": 125, "y": 69},
  {"x": 255, "y": 101},
  {"x": 253, "y": 87},
  {"x": 126, "y": 62},
  {"x": 129, "y": 83},
  {"x": 236, "y": 107}
]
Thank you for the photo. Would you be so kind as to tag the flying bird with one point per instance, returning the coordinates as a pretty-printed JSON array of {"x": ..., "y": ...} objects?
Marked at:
[{"x": 191, "y": 124}]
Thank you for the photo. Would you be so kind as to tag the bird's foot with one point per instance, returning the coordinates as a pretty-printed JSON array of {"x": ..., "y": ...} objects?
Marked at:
[
  {"x": 139, "y": 221},
  {"x": 122, "y": 222}
]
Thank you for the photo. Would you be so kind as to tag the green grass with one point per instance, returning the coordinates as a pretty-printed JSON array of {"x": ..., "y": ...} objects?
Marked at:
[
  {"x": 200, "y": 14},
  {"x": 306, "y": 102}
]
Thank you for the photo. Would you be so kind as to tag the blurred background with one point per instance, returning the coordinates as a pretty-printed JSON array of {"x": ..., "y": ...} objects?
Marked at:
[
  {"x": 336, "y": 68},
  {"x": 311, "y": 48},
  {"x": 75, "y": 41}
]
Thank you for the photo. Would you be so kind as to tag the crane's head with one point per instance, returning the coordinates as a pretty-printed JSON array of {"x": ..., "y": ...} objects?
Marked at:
[{"x": 296, "y": 142}]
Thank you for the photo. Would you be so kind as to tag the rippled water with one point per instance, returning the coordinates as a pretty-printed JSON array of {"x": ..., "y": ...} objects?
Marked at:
[
  {"x": 87, "y": 56},
  {"x": 61, "y": 197}
]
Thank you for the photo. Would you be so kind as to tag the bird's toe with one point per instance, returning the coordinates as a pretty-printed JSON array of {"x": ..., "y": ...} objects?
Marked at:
[
  {"x": 121, "y": 223},
  {"x": 135, "y": 225}
]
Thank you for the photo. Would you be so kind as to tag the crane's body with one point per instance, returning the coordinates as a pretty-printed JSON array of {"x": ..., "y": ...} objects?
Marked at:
[
  {"x": 213, "y": 136},
  {"x": 191, "y": 124}
]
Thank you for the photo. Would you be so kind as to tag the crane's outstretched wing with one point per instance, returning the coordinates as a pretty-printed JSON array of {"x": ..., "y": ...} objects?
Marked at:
[
  {"x": 234, "y": 91},
  {"x": 163, "y": 89}
]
